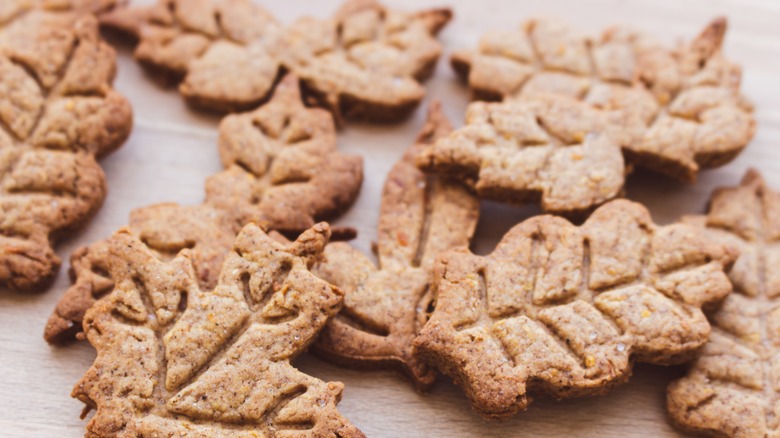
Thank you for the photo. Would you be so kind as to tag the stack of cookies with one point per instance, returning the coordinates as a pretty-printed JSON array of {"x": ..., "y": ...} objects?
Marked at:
[{"x": 196, "y": 311}]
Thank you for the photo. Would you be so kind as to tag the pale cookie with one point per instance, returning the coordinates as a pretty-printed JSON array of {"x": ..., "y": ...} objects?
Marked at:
[
  {"x": 563, "y": 310},
  {"x": 731, "y": 389},
  {"x": 366, "y": 62},
  {"x": 386, "y": 305},
  {"x": 174, "y": 359},
  {"x": 282, "y": 170},
  {"x": 58, "y": 112},
  {"x": 674, "y": 111}
]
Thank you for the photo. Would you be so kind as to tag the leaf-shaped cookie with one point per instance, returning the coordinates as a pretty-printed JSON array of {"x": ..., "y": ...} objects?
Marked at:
[
  {"x": 282, "y": 169},
  {"x": 547, "y": 148},
  {"x": 282, "y": 164},
  {"x": 222, "y": 51},
  {"x": 176, "y": 360},
  {"x": 366, "y": 62},
  {"x": 565, "y": 310},
  {"x": 58, "y": 112},
  {"x": 166, "y": 230},
  {"x": 731, "y": 389},
  {"x": 672, "y": 111},
  {"x": 385, "y": 306}
]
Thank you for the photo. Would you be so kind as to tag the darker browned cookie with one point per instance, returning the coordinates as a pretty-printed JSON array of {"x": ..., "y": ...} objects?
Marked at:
[
  {"x": 174, "y": 359},
  {"x": 565, "y": 310},
  {"x": 385, "y": 306},
  {"x": 166, "y": 230},
  {"x": 674, "y": 111},
  {"x": 366, "y": 62},
  {"x": 58, "y": 112},
  {"x": 282, "y": 170},
  {"x": 730, "y": 389}
]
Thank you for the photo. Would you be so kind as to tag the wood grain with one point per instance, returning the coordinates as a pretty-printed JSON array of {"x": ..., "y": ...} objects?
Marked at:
[{"x": 172, "y": 151}]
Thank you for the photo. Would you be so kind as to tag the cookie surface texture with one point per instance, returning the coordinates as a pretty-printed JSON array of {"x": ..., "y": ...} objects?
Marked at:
[
  {"x": 563, "y": 310},
  {"x": 672, "y": 110},
  {"x": 58, "y": 112},
  {"x": 386, "y": 305},
  {"x": 730, "y": 390},
  {"x": 365, "y": 62},
  {"x": 282, "y": 170},
  {"x": 175, "y": 360}
]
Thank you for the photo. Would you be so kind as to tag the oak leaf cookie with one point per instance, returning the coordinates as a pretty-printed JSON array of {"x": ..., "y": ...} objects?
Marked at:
[
  {"x": 282, "y": 169},
  {"x": 385, "y": 306},
  {"x": 223, "y": 52},
  {"x": 545, "y": 148},
  {"x": 58, "y": 112},
  {"x": 566, "y": 310},
  {"x": 174, "y": 359},
  {"x": 674, "y": 111},
  {"x": 366, "y": 62},
  {"x": 730, "y": 389}
]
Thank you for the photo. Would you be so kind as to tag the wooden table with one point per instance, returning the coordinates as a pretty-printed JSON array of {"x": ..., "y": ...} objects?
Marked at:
[{"x": 172, "y": 150}]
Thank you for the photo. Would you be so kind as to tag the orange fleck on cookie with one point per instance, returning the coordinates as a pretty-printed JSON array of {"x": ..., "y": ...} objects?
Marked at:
[
  {"x": 672, "y": 110},
  {"x": 386, "y": 305},
  {"x": 564, "y": 310},
  {"x": 282, "y": 170},
  {"x": 730, "y": 390},
  {"x": 366, "y": 62},
  {"x": 58, "y": 112},
  {"x": 174, "y": 359}
]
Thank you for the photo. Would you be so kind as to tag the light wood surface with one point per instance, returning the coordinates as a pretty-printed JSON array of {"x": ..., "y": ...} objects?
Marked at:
[{"x": 172, "y": 150}]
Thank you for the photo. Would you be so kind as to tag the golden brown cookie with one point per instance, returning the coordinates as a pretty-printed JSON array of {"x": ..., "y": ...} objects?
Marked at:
[
  {"x": 174, "y": 359},
  {"x": 730, "y": 390},
  {"x": 282, "y": 169},
  {"x": 224, "y": 52},
  {"x": 674, "y": 111},
  {"x": 58, "y": 112},
  {"x": 563, "y": 310},
  {"x": 282, "y": 164},
  {"x": 365, "y": 62},
  {"x": 547, "y": 148},
  {"x": 166, "y": 230},
  {"x": 386, "y": 305}
]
